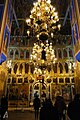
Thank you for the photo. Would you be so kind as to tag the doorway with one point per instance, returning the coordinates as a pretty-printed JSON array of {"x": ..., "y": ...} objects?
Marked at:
[{"x": 40, "y": 89}]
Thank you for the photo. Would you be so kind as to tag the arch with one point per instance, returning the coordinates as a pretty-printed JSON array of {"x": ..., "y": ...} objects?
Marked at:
[
  {"x": 66, "y": 67},
  {"x": 15, "y": 68},
  {"x": 18, "y": 40},
  {"x": 41, "y": 90},
  {"x": 55, "y": 67},
  {"x": 64, "y": 53},
  {"x": 26, "y": 67},
  {"x": 12, "y": 41},
  {"x": 11, "y": 53},
  {"x": 70, "y": 52},
  {"x": 16, "y": 54},
  {"x": 21, "y": 54},
  {"x": 9, "y": 80},
  {"x": 27, "y": 53},
  {"x": 60, "y": 67},
  {"x": 36, "y": 86},
  {"x": 69, "y": 40},
  {"x": 20, "y": 68},
  {"x": 59, "y": 53},
  {"x": 65, "y": 40},
  {"x": 9, "y": 71},
  {"x": 23, "y": 41}
]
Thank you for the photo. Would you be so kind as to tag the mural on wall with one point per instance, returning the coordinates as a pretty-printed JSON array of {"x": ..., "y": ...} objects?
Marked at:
[
  {"x": 18, "y": 92},
  {"x": 56, "y": 90},
  {"x": 62, "y": 90}
]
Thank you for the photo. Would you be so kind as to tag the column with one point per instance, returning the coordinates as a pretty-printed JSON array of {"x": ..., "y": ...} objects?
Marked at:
[
  {"x": 3, "y": 22},
  {"x": 23, "y": 71},
  {"x": 77, "y": 78},
  {"x": 77, "y": 15}
]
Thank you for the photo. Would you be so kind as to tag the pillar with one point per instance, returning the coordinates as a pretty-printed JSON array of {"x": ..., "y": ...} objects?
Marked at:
[{"x": 77, "y": 77}]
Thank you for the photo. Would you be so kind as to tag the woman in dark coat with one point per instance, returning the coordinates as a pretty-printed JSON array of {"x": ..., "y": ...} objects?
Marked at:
[
  {"x": 48, "y": 111},
  {"x": 73, "y": 110},
  {"x": 61, "y": 107}
]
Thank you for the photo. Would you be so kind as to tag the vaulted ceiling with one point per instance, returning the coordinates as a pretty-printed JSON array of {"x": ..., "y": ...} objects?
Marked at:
[{"x": 23, "y": 7}]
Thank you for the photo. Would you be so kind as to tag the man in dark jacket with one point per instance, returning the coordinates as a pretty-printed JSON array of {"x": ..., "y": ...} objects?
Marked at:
[
  {"x": 74, "y": 108},
  {"x": 4, "y": 106},
  {"x": 48, "y": 111},
  {"x": 36, "y": 104},
  {"x": 61, "y": 107}
]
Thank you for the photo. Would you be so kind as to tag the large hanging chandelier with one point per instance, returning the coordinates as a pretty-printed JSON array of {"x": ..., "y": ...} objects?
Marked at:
[
  {"x": 43, "y": 18},
  {"x": 43, "y": 52},
  {"x": 43, "y": 21},
  {"x": 41, "y": 73}
]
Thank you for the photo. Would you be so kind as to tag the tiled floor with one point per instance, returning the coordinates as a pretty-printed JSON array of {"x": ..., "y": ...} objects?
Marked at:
[{"x": 21, "y": 115}]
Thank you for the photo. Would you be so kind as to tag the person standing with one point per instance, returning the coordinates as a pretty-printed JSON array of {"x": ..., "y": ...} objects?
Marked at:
[
  {"x": 36, "y": 104},
  {"x": 73, "y": 110},
  {"x": 4, "y": 106},
  {"x": 61, "y": 107},
  {"x": 48, "y": 111}
]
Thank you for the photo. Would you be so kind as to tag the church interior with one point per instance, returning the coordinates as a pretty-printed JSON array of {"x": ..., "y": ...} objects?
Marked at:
[{"x": 39, "y": 49}]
